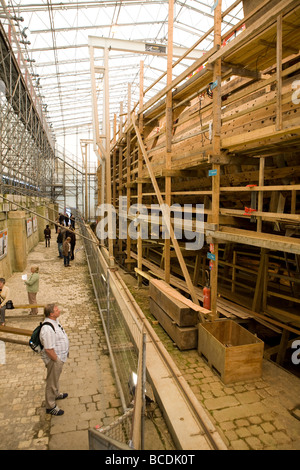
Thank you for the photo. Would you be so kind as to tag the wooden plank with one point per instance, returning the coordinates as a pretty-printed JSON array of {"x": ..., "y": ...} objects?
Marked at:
[
  {"x": 263, "y": 240},
  {"x": 233, "y": 143},
  {"x": 244, "y": 38},
  {"x": 15, "y": 331},
  {"x": 184, "y": 337},
  {"x": 14, "y": 341},
  {"x": 180, "y": 313},
  {"x": 107, "y": 155},
  {"x": 27, "y": 306}
]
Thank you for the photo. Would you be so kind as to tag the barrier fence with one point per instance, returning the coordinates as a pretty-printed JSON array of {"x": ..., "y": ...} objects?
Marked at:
[{"x": 126, "y": 346}]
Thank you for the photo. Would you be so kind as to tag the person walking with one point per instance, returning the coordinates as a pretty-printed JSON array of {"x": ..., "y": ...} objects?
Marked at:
[
  {"x": 4, "y": 295},
  {"x": 72, "y": 221},
  {"x": 47, "y": 234},
  {"x": 72, "y": 235},
  {"x": 61, "y": 219},
  {"x": 59, "y": 242},
  {"x": 67, "y": 251},
  {"x": 32, "y": 286},
  {"x": 55, "y": 353},
  {"x": 67, "y": 219}
]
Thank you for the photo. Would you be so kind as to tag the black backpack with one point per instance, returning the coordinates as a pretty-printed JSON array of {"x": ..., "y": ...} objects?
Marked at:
[{"x": 35, "y": 342}]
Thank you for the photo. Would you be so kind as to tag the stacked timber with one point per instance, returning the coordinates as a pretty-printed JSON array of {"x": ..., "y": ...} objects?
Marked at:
[{"x": 175, "y": 316}]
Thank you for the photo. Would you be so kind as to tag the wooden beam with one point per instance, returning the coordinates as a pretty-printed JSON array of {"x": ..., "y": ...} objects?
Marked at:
[
  {"x": 107, "y": 153},
  {"x": 128, "y": 180},
  {"x": 263, "y": 240},
  {"x": 15, "y": 331},
  {"x": 262, "y": 23},
  {"x": 278, "y": 74},
  {"x": 216, "y": 142},
  {"x": 140, "y": 169},
  {"x": 169, "y": 130}
]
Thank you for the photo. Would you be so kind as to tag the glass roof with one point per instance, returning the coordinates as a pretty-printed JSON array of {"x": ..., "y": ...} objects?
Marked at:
[{"x": 54, "y": 40}]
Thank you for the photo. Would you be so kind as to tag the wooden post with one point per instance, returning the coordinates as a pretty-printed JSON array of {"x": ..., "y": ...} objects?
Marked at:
[
  {"x": 115, "y": 129},
  {"x": 120, "y": 175},
  {"x": 260, "y": 283},
  {"x": 128, "y": 179},
  {"x": 216, "y": 152},
  {"x": 279, "y": 72},
  {"x": 140, "y": 169},
  {"x": 107, "y": 156},
  {"x": 169, "y": 125},
  {"x": 260, "y": 194},
  {"x": 120, "y": 195},
  {"x": 282, "y": 347}
]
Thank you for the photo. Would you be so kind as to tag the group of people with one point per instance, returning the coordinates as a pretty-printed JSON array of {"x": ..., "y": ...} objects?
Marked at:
[
  {"x": 66, "y": 241},
  {"x": 66, "y": 237},
  {"x": 52, "y": 336},
  {"x": 66, "y": 220}
]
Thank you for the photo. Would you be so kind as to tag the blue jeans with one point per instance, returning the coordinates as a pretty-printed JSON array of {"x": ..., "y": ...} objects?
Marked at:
[
  {"x": 59, "y": 246},
  {"x": 67, "y": 260},
  {"x": 2, "y": 314}
]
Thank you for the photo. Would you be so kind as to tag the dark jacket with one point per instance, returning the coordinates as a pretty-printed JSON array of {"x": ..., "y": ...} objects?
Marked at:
[
  {"x": 59, "y": 238},
  {"x": 72, "y": 235},
  {"x": 47, "y": 233}
]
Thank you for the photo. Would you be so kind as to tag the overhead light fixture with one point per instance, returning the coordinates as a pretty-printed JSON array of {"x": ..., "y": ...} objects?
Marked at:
[
  {"x": 23, "y": 32},
  {"x": 25, "y": 42}
]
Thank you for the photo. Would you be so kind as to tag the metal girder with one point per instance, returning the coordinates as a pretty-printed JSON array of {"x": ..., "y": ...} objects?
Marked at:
[
  {"x": 139, "y": 47},
  {"x": 26, "y": 153}
]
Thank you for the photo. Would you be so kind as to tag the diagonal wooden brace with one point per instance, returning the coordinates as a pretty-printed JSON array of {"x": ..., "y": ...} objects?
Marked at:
[{"x": 166, "y": 216}]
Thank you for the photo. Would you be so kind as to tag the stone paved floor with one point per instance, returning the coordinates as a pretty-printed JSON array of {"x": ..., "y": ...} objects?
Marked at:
[
  {"x": 87, "y": 375},
  {"x": 253, "y": 414}
]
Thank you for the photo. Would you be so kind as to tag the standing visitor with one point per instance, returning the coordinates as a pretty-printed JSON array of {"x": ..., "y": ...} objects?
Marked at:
[
  {"x": 4, "y": 294},
  {"x": 47, "y": 234},
  {"x": 67, "y": 251},
  {"x": 59, "y": 242},
  {"x": 55, "y": 353},
  {"x": 32, "y": 286}
]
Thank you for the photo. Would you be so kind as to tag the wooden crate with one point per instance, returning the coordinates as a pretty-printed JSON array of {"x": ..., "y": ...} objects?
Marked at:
[
  {"x": 184, "y": 337},
  {"x": 233, "y": 351}
]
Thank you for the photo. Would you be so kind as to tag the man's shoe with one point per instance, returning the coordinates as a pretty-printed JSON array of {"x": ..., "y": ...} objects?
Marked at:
[
  {"x": 62, "y": 396},
  {"x": 55, "y": 411}
]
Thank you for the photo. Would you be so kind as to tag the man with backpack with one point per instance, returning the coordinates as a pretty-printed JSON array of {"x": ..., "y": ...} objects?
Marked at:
[{"x": 54, "y": 354}]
